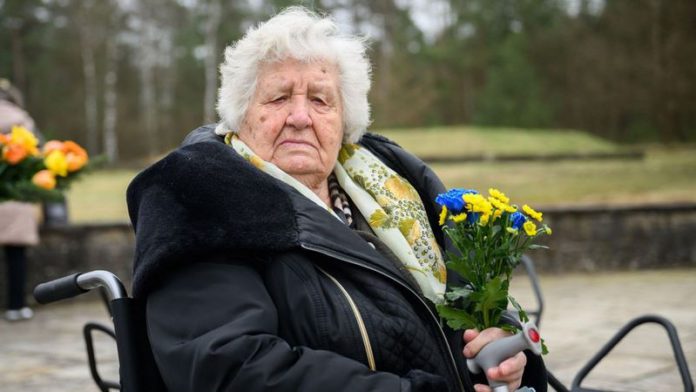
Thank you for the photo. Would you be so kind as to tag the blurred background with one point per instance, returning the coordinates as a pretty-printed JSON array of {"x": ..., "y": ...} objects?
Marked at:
[{"x": 129, "y": 79}]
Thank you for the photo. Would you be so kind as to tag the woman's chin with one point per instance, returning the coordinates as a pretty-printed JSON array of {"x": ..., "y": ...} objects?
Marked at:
[{"x": 300, "y": 165}]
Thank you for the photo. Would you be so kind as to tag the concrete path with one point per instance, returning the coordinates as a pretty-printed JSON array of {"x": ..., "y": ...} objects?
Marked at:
[{"x": 582, "y": 313}]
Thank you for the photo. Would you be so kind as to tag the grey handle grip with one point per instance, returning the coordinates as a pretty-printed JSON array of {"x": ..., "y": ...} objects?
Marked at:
[
  {"x": 57, "y": 289},
  {"x": 76, "y": 284},
  {"x": 492, "y": 354}
]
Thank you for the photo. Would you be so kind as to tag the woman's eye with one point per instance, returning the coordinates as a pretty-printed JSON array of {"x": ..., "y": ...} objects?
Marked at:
[
  {"x": 280, "y": 99},
  {"x": 318, "y": 100}
]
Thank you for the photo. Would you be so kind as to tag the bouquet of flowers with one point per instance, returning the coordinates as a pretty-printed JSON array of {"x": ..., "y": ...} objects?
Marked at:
[
  {"x": 491, "y": 235},
  {"x": 32, "y": 175}
]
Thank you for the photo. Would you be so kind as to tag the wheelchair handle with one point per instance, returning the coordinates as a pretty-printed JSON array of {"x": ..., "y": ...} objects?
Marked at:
[
  {"x": 492, "y": 354},
  {"x": 78, "y": 283}
]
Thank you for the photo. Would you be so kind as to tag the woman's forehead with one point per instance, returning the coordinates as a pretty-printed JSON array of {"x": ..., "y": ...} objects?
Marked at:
[{"x": 287, "y": 71}]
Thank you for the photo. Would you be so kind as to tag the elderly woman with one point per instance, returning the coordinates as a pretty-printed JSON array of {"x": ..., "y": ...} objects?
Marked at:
[{"x": 288, "y": 250}]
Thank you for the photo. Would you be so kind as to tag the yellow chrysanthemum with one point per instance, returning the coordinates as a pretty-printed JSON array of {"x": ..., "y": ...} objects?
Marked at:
[
  {"x": 56, "y": 163},
  {"x": 483, "y": 220},
  {"x": 478, "y": 203},
  {"x": 443, "y": 215},
  {"x": 529, "y": 228},
  {"x": 497, "y": 214},
  {"x": 24, "y": 138},
  {"x": 532, "y": 213},
  {"x": 459, "y": 217},
  {"x": 501, "y": 205},
  {"x": 498, "y": 195},
  {"x": 548, "y": 230}
]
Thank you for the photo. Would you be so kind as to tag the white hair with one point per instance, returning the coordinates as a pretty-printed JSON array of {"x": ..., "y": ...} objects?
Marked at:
[{"x": 302, "y": 35}]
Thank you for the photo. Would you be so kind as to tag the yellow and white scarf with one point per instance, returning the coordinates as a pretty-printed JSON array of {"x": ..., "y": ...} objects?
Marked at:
[{"x": 390, "y": 204}]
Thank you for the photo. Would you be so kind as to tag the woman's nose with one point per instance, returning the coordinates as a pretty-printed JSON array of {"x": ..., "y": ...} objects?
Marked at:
[{"x": 299, "y": 113}]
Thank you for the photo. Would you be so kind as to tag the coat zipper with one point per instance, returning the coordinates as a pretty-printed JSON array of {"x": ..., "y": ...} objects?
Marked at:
[
  {"x": 358, "y": 318},
  {"x": 433, "y": 317}
]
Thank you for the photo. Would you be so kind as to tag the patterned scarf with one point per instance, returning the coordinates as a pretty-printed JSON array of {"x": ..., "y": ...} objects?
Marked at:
[{"x": 390, "y": 204}]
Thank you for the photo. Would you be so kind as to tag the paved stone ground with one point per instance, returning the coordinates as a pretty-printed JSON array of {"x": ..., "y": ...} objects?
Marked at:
[{"x": 582, "y": 312}]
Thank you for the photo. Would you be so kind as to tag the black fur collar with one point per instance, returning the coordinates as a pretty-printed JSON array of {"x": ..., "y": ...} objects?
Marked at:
[{"x": 204, "y": 201}]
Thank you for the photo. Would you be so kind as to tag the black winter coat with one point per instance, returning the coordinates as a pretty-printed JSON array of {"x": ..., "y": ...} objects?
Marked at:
[{"x": 252, "y": 287}]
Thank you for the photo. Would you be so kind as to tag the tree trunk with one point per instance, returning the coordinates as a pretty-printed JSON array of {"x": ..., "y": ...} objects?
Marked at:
[
  {"x": 110, "y": 99},
  {"x": 211, "y": 28},
  {"x": 18, "y": 56},
  {"x": 147, "y": 86},
  {"x": 90, "y": 74},
  {"x": 167, "y": 87}
]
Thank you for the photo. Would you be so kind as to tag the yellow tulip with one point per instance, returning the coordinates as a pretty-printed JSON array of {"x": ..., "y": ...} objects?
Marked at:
[
  {"x": 25, "y": 138},
  {"x": 57, "y": 163}
]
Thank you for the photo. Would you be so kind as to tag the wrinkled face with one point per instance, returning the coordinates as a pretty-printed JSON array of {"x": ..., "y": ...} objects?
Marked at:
[{"x": 295, "y": 118}]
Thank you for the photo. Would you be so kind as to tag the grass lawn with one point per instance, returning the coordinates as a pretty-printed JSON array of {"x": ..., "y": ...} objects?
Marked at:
[
  {"x": 457, "y": 141},
  {"x": 100, "y": 196},
  {"x": 665, "y": 175}
]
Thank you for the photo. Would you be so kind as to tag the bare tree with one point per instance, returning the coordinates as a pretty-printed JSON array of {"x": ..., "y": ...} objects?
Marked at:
[
  {"x": 146, "y": 61},
  {"x": 212, "y": 23},
  {"x": 89, "y": 71},
  {"x": 110, "y": 92}
]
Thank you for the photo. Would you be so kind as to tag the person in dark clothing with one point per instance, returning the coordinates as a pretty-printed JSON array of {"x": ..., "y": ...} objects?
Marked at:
[
  {"x": 18, "y": 220},
  {"x": 286, "y": 249}
]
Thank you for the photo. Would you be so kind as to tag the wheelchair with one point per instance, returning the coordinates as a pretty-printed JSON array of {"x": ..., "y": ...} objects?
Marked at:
[{"x": 138, "y": 371}]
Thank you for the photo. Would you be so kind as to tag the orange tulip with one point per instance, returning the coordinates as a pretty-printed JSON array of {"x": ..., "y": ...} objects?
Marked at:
[
  {"x": 53, "y": 145},
  {"x": 75, "y": 162},
  {"x": 76, "y": 156},
  {"x": 14, "y": 153},
  {"x": 44, "y": 179}
]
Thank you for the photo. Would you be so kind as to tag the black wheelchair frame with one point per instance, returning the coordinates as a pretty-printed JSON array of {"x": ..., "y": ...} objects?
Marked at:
[{"x": 138, "y": 371}]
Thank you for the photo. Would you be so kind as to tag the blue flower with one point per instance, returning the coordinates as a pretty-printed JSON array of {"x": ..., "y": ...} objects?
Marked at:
[
  {"x": 452, "y": 199},
  {"x": 517, "y": 218}
]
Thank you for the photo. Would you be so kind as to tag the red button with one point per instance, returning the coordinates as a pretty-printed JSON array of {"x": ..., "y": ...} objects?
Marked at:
[{"x": 534, "y": 335}]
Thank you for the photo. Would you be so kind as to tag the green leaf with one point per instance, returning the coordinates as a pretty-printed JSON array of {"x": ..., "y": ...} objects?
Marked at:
[
  {"x": 520, "y": 311},
  {"x": 535, "y": 246},
  {"x": 544, "y": 349},
  {"x": 491, "y": 301},
  {"x": 457, "y": 293},
  {"x": 462, "y": 266},
  {"x": 457, "y": 319}
]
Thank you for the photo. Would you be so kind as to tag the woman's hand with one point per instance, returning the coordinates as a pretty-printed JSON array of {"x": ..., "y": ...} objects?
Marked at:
[{"x": 509, "y": 371}]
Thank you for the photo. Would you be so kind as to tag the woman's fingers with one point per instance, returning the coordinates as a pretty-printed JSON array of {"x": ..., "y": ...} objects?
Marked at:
[
  {"x": 475, "y": 341},
  {"x": 510, "y": 371}
]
